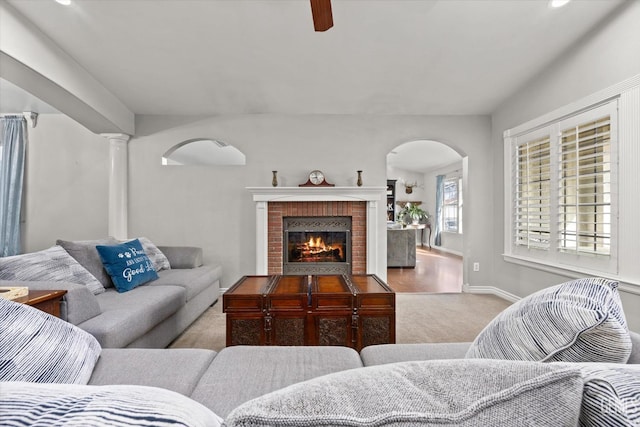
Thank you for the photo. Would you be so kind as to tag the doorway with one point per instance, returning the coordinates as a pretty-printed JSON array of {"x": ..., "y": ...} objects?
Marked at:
[{"x": 421, "y": 172}]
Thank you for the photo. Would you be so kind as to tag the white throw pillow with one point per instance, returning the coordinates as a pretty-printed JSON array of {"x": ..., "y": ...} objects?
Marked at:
[
  {"x": 114, "y": 406},
  {"x": 49, "y": 265},
  {"x": 577, "y": 321},
  {"x": 158, "y": 259},
  {"x": 38, "y": 347},
  {"x": 611, "y": 395}
]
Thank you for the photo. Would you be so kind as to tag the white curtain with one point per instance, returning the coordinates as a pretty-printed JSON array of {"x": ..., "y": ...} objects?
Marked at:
[{"x": 12, "y": 159}]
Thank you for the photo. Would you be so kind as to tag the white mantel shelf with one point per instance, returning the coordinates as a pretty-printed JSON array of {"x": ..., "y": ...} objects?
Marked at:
[
  {"x": 371, "y": 195},
  {"x": 317, "y": 194}
]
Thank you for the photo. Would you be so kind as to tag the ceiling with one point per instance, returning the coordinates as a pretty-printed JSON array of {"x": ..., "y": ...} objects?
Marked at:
[{"x": 208, "y": 57}]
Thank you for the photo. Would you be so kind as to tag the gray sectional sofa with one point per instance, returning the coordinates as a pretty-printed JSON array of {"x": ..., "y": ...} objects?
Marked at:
[
  {"x": 588, "y": 373},
  {"x": 230, "y": 385},
  {"x": 151, "y": 315},
  {"x": 225, "y": 380}
]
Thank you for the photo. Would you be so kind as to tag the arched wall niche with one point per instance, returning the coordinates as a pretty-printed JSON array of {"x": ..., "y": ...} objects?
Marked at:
[{"x": 203, "y": 152}]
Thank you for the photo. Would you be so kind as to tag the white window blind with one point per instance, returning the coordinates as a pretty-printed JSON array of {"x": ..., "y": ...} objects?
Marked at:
[
  {"x": 531, "y": 214},
  {"x": 564, "y": 208},
  {"x": 584, "y": 184}
]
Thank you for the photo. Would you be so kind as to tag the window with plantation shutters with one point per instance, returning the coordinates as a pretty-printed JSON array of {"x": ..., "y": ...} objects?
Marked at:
[
  {"x": 532, "y": 193},
  {"x": 584, "y": 187},
  {"x": 563, "y": 186}
]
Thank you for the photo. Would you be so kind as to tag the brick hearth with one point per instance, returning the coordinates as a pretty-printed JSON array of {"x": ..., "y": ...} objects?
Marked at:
[{"x": 356, "y": 210}]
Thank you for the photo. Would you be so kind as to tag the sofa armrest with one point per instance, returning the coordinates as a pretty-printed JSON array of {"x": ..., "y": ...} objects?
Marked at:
[
  {"x": 78, "y": 304},
  {"x": 182, "y": 256}
]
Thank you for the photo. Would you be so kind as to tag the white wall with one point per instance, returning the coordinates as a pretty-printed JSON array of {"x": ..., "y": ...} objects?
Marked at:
[
  {"x": 210, "y": 207},
  {"x": 67, "y": 176},
  {"x": 607, "y": 56},
  {"x": 66, "y": 187}
]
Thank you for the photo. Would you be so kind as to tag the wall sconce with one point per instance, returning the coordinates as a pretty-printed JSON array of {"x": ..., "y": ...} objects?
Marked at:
[{"x": 408, "y": 187}]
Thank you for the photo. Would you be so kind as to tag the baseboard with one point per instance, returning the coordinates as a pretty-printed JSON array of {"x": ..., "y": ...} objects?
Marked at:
[
  {"x": 490, "y": 290},
  {"x": 223, "y": 290}
]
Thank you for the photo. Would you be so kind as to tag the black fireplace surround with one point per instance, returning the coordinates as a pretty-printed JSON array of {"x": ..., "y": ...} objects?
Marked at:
[{"x": 317, "y": 245}]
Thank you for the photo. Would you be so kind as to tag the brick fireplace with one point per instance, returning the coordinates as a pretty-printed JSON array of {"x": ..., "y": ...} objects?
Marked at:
[
  {"x": 357, "y": 211},
  {"x": 358, "y": 203}
]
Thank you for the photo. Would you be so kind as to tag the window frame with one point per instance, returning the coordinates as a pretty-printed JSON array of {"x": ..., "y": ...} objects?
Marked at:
[
  {"x": 625, "y": 242},
  {"x": 548, "y": 251},
  {"x": 457, "y": 179}
]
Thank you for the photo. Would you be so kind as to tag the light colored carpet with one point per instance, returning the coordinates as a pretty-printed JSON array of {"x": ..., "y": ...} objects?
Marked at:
[{"x": 419, "y": 318}]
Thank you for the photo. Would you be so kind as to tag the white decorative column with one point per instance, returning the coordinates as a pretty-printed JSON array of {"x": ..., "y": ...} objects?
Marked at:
[
  {"x": 372, "y": 236},
  {"x": 262, "y": 238},
  {"x": 118, "y": 184}
]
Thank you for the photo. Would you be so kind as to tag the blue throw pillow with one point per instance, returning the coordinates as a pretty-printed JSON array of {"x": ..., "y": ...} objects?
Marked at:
[{"x": 127, "y": 264}]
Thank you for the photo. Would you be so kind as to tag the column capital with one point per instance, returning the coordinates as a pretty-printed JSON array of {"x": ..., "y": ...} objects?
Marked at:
[{"x": 116, "y": 136}]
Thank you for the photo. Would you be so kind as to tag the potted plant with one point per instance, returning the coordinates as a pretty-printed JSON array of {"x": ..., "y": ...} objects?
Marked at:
[{"x": 415, "y": 212}]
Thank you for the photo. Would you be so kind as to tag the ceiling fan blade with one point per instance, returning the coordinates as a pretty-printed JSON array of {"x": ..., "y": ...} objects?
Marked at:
[{"x": 322, "y": 17}]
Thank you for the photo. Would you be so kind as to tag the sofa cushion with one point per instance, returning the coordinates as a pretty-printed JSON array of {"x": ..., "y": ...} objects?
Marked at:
[
  {"x": 611, "y": 395},
  {"x": 176, "y": 369},
  {"x": 85, "y": 252},
  {"x": 241, "y": 373},
  {"x": 183, "y": 256},
  {"x": 441, "y": 392},
  {"x": 127, "y": 264},
  {"x": 82, "y": 405},
  {"x": 577, "y": 321},
  {"x": 392, "y": 353},
  {"x": 53, "y": 264},
  {"x": 194, "y": 280},
  {"x": 126, "y": 317},
  {"x": 38, "y": 347}
]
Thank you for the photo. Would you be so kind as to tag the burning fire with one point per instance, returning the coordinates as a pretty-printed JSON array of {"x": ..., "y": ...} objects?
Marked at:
[
  {"x": 315, "y": 249},
  {"x": 317, "y": 246},
  {"x": 317, "y": 243}
]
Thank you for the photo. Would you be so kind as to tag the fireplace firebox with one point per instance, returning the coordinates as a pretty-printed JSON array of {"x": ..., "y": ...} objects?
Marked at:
[{"x": 316, "y": 245}]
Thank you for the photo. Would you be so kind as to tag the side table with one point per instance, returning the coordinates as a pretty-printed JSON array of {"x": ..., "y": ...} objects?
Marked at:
[
  {"x": 47, "y": 301},
  {"x": 421, "y": 227}
]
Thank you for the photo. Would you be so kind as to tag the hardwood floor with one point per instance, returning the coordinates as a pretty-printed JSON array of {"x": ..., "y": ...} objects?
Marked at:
[{"x": 435, "y": 272}]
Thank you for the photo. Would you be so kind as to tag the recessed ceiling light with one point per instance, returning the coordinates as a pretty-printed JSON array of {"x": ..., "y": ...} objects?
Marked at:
[
  {"x": 64, "y": 2},
  {"x": 558, "y": 3}
]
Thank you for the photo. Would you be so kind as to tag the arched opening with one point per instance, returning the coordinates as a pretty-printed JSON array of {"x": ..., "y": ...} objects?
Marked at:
[
  {"x": 203, "y": 152},
  {"x": 432, "y": 176}
]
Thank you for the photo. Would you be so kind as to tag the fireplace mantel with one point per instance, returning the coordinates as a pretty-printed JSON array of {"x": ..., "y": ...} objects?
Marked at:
[
  {"x": 317, "y": 194},
  {"x": 371, "y": 195}
]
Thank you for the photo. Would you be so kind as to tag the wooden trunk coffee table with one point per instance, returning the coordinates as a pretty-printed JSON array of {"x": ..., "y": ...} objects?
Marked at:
[{"x": 348, "y": 310}]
